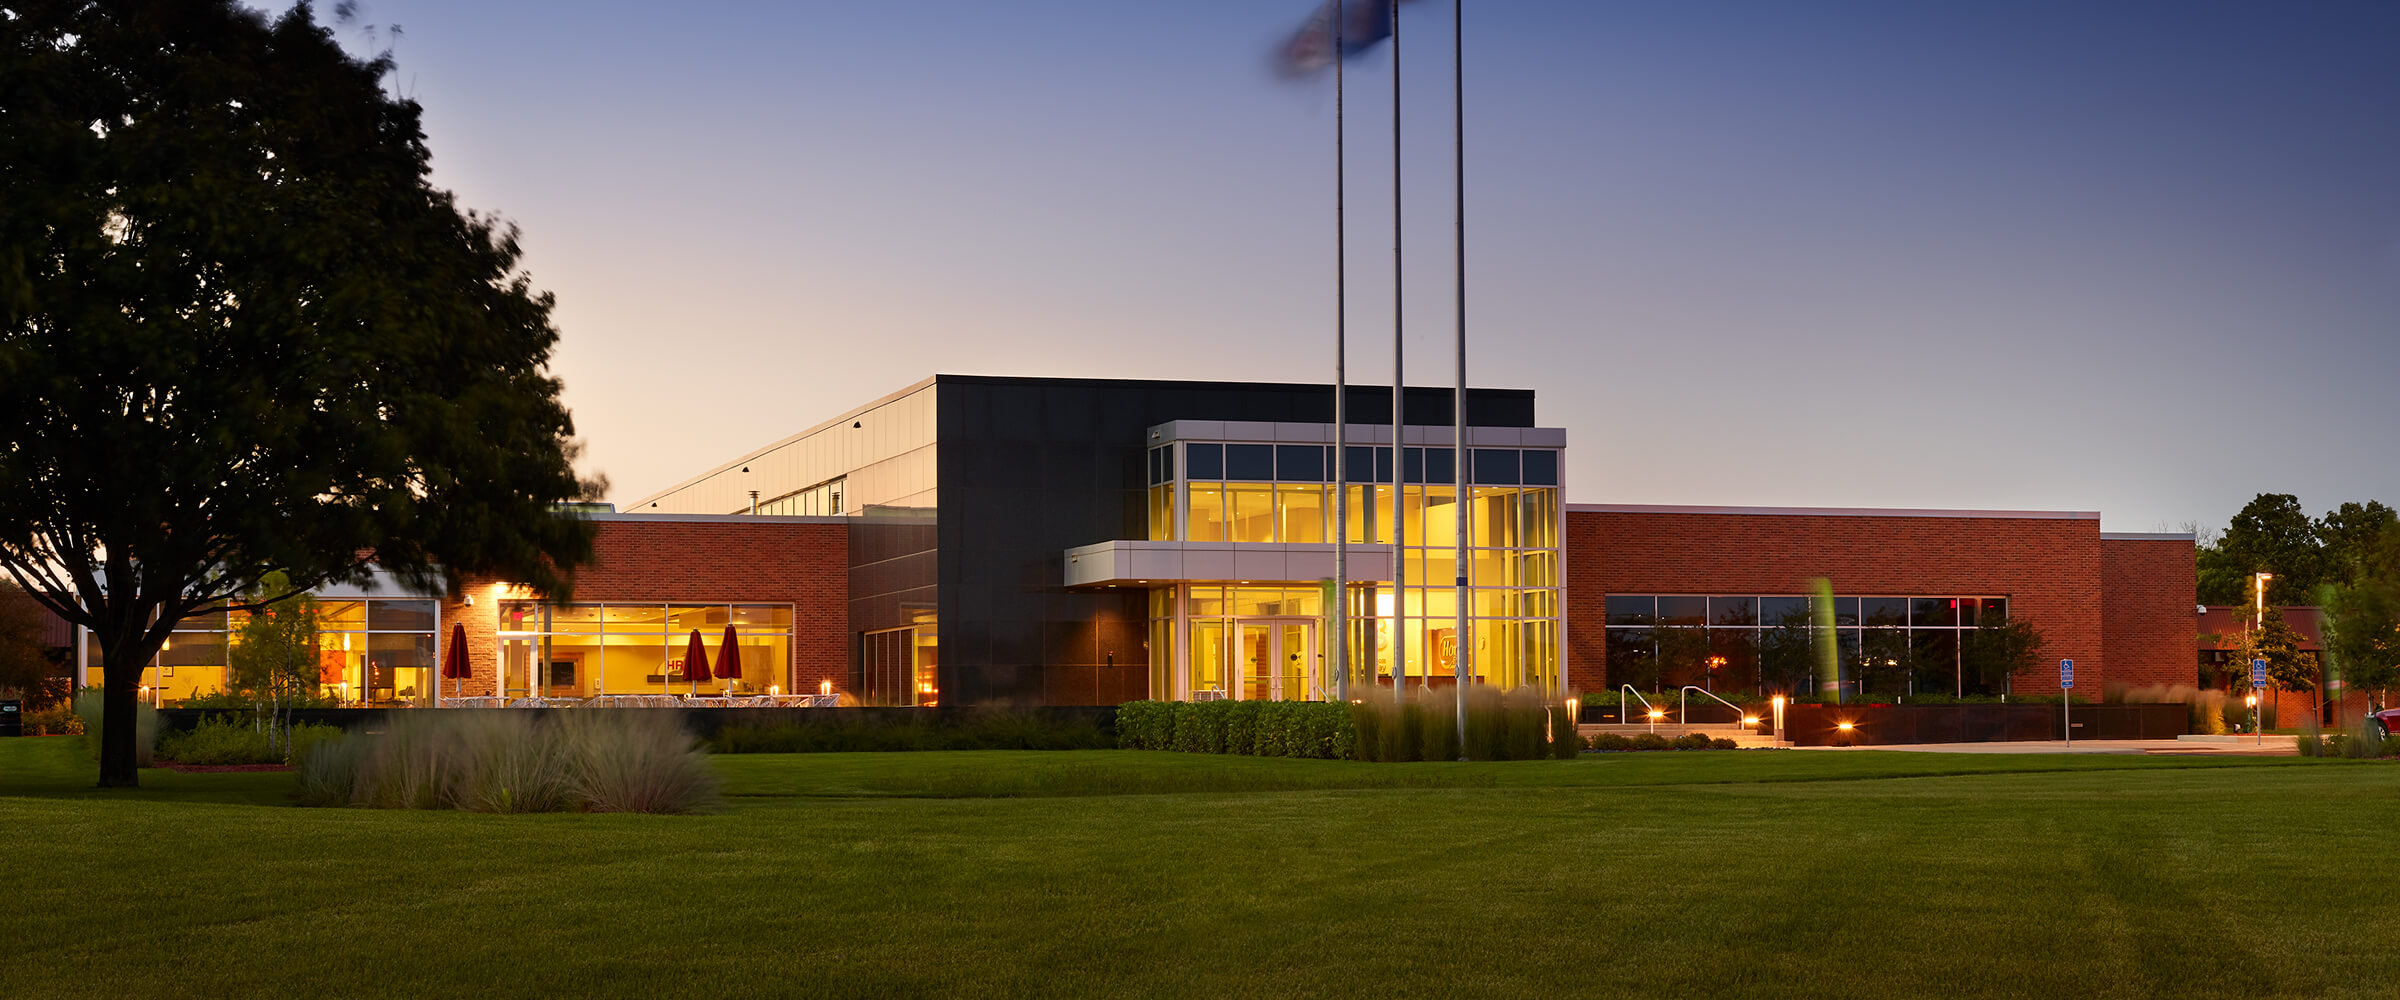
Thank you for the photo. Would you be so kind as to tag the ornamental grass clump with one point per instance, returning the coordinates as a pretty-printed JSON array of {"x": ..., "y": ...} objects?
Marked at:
[{"x": 515, "y": 761}]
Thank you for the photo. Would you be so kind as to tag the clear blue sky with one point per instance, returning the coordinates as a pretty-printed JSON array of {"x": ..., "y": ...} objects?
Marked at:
[{"x": 2140, "y": 257}]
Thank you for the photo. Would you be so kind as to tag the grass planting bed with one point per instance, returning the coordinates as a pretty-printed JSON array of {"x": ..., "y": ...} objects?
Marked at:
[{"x": 1121, "y": 873}]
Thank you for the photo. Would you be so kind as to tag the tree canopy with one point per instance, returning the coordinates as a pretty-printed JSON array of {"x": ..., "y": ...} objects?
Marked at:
[
  {"x": 241, "y": 333},
  {"x": 2362, "y": 616},
  {"x": 2274, "y": 534}
]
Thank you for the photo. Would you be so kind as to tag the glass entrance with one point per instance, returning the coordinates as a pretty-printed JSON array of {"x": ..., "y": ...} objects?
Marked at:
[
  {"x": 517, "y": 666},
  {"x": 1278, "y": 660}
]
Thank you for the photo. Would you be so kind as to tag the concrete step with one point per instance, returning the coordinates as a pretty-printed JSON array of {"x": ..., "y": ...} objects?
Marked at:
[
  {"x": 1741, "y": 736},
  {"x": 1669, "y": 728}
]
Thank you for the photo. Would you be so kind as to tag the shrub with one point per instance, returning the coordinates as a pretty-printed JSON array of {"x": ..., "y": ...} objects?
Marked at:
[
  {"x": 1611, "y": 742},
  {"x": 1651, "y": 741},
  {"x": 1692, "y": 741},
  {"x": 592, "y": 760},
  {"x": 1721, "y": 743},
  {"x": 57, "y": 720},
  {"x": 1145, "y": 725},
  {"x": 1188, "y": 736},
  {"x": 223, "y": 739},
  {"x": 1252, "y": 727}
]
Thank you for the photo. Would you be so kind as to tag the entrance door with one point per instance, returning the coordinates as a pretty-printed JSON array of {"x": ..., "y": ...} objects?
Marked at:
[
  {"x": 517, "y": 658},
  {"x": 1277, "y": 659}
]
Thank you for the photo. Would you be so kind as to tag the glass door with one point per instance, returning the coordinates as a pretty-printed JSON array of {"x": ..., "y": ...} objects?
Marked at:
[
  {"x": 516, "y": 667},
  {"x": 1257, "y": 653},
  {"x": 1296, "y": 653},
  {"x": 1277, "y": 659}
]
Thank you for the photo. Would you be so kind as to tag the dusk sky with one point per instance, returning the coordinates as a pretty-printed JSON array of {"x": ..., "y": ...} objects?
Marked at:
[{"x": 2142, "y": 258}]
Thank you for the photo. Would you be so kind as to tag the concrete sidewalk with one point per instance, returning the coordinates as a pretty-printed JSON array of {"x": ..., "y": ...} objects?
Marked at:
[{"x": 2274, "y": 746}]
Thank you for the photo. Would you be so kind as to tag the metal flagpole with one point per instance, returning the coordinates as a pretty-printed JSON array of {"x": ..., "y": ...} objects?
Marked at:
[
  {"x": 1340, "y": 612},
  {"x": 1399, "y": 452},
  {"x": 1458, "y": 396}
]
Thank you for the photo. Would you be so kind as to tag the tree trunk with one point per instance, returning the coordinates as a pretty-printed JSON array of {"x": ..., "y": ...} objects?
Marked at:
[{"x": 120, "y": 726}]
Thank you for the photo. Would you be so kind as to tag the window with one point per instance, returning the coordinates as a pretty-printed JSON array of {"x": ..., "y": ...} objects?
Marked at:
[{"x": 1906, "y": 646}]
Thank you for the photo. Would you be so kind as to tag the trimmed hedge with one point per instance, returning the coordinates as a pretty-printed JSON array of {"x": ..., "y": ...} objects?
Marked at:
[
  {"x": 1314, "y": 729},
  {"x": 1518, "y": 725}
]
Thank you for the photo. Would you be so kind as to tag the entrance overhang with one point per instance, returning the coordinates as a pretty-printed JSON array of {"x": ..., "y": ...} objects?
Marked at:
[{"x": 1138, "y": 563}]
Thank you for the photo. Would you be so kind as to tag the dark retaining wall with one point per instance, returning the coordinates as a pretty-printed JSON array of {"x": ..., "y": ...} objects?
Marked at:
[
  {"x": 1890, "y": 725},
  {"x": 705, "y": 722}
]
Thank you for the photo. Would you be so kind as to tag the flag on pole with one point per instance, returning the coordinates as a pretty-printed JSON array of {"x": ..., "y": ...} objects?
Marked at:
[{"x": 1310, "y": 50}]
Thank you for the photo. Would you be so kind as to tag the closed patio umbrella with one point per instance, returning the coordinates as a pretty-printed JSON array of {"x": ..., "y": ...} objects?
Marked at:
[
  {"x": 454, "y": 661},
  {"x": 695, "y": 662},
  {"x": 729, "y": 658}
]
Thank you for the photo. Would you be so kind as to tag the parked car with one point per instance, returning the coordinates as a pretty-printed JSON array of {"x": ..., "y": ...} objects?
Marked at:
[{"x": 2382, "y": 723}]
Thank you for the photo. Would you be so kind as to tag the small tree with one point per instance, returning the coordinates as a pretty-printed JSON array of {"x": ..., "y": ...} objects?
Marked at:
[
  {"x": 1998, "y": 648},
  {"x": 274, "y": 654},
  {"x": 1886, "y": 661},
  {"x": 1787, "y": 654},
  {"x": 2362, "y": 617},
  {"x": 2289, "y": 668}
]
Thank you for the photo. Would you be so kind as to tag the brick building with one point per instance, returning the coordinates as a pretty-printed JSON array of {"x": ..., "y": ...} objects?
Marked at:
[{"x": 973, "y": 540}]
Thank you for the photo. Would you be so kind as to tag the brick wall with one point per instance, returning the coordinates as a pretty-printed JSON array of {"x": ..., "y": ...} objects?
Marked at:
[
  {"x": 2048, "y": 567},
  {"x": 2147, "y": 617},
  {"x": 804, "y": 564}
]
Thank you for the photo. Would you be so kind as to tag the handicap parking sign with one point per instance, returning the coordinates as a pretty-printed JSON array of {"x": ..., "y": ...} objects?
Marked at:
[
  {"x": 2066, "y": 673},
  {"x": 2258, "y": 673}
]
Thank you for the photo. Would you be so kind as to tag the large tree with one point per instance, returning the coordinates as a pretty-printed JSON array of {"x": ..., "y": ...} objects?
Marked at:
[
  {"x": 240, "y": 333},
  {"x": 2349, "y": 535},
  {"x": 2271, "y": 534}
]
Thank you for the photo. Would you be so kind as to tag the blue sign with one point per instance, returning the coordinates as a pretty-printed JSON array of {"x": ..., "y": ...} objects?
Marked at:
[
  {"x": 2066, "y": 673},
  {"x": 2258, "y": 674}
]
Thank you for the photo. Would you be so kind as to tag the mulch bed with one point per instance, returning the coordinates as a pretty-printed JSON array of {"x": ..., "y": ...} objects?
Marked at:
[{"x": 221, "y": 768}]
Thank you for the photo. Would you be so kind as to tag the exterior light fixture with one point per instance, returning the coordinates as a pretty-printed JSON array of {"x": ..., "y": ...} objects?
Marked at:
[
  {"x": 1749, "y": 720},
  {"x": 1844, "y": 726},
  {"x": 1657, "y": 713},
  {"x": 824, "y": 687}
]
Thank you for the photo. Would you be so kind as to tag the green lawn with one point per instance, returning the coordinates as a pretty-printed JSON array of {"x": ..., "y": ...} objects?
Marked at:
[{"x": 1749, "y": 874}]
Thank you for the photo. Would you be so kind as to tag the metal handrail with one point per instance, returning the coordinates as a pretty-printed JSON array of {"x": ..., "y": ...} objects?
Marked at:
[
  {"x": 1647, "y": 708},
  {"x": 1683, "y": 703}
]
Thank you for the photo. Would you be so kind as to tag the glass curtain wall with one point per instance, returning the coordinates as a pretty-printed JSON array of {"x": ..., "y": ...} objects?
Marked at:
[
  {"x": 584, "y": 650},
  {"x": 1278, "y": 494},
  {"x": 375, "y": 651},
  {"x": 1765, "y": 645}
]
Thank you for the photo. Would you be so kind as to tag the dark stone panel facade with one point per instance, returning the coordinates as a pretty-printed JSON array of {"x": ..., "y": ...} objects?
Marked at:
[{"x": 1029, "y": 467}]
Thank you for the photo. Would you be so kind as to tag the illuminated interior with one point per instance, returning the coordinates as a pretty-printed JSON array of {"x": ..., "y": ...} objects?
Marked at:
[
  {"x": 370, "y": 652},
  {"x": 1261, "y": 639},
  {"x": 584, "y": 650}
]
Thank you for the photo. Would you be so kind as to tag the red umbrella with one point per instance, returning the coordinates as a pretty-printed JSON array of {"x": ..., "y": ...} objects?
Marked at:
[
  {"x": 729, "y": 658},
  {"x": 454, "y": 659},
  {"x": 695, "y": 662}
]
